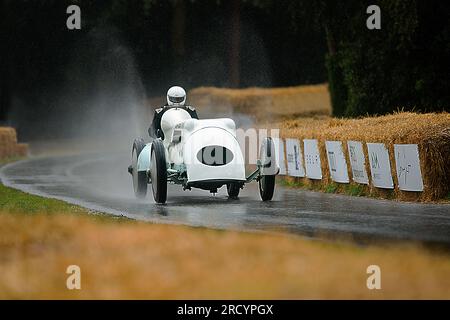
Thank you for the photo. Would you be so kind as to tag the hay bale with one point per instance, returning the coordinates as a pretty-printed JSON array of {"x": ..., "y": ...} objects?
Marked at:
[
  {"x": 431, "y": 132},
  {"x": 8, "y": 135},
  {"x": 8, "y": 144},
  {"x": 8, "y": 141},
  {"x": 266, "y": 104},
  {"x": 21, "y": 150}
]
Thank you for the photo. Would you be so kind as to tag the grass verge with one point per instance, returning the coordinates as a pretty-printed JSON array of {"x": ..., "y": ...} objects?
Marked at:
[
  {"x": 7, "y": 160},
  {"x": 120, "y": 258},
  {"x": 351, "y": 189}
]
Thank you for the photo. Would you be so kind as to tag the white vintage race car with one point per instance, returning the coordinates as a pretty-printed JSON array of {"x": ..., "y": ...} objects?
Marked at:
[{"x": 201, "y": 154}]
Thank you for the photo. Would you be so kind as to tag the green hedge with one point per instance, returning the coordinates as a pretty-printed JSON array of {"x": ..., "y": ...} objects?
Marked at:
[
  {"x": 337, "y": 87},
  {"x": 404, "y": 65}
]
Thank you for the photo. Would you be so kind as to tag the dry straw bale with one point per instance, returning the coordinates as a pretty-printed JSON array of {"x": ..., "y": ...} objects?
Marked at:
[
  {"x": 21, "y": 150},
  {"x": 431, "y": 132},
  {"x": 8, "y": 144},
  {"x": 8, "y": 141},
  {"x": 266, "y": 104}
]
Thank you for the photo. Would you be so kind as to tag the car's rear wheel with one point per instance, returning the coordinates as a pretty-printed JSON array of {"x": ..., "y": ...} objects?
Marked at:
[
  {"x": 233, "y": 190},
  {"x": 158, "y": 172},
  {"x": 139, "y": 177},
  {"x": 267, "y": 182}
]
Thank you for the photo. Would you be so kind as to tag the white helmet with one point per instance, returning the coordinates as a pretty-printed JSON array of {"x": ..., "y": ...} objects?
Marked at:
[{"x": 176, "y": 96}]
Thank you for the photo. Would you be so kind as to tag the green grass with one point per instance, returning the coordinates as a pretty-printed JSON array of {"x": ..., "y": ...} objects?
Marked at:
[
  {"x": 18, "y": 202},
  {"x": 352, "y": 189},
  {"x": 15, "y": 201},
  {"x": 331, "y": 188},
  {"x": 355, "y": 190},
  {"x": 290, "y": 183},
  {"x": 7, "y": 160},
  {"x": 12, "y": 200}
]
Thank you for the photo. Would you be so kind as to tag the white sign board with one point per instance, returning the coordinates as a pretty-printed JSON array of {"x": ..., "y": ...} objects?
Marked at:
[
  {"x": 357, "y": 162},
  {"x": 280, "y": 158},
  {"x": 336, "y": 162},
  {"x": 312, "y": 159},
  {"x": 294, "y": 158},
  {"x": 380, "y": 166},
  {"x": 408, "y": 167}
]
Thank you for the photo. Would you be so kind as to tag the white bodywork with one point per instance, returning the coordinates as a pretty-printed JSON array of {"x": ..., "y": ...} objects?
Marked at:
[{"x": 185, "y": 137}]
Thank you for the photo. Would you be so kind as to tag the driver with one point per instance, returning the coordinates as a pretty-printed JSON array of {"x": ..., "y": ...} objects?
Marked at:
[{"x": 176, "y": 98}]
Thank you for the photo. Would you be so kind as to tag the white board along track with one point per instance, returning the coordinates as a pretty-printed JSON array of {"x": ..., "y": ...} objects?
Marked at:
[
  {"x": 312, "y": 159},
  {"x": 280, "y": 157},
  {"x": 357, "y": 162},
  {"x": 336, "y": 162},
  {"x": 294, "y": 158},
  {"x": 407, "y": 163},
  {"x": 380, "y": 166}
]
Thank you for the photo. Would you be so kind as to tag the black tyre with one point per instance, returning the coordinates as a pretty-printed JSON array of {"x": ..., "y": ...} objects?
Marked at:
[
  {"x": 233, "y": 190},
  {"x": 139, "y": 177},
  {"x": 158, "y": 172},
  {"x": 266, "y": 187},
  {"x": 267, "y": 182}
]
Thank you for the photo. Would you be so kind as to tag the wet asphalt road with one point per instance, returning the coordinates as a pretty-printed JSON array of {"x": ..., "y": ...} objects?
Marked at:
[{"x": 100, "y": 182}]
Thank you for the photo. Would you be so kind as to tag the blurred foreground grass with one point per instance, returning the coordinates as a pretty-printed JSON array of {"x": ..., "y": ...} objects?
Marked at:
[{"x": 120, "y": 258}]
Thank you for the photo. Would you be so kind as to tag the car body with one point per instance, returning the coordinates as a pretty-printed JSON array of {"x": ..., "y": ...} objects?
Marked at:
[{"x": 196, "y": 153}]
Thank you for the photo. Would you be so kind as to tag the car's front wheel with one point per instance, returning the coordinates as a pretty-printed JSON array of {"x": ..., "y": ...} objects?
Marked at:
[
  {"x": 266, "y": 187},
  {"x": 139, "y": 177},
  {"x": 158, "y": 172},
  {"x": 267, "y": 181}
]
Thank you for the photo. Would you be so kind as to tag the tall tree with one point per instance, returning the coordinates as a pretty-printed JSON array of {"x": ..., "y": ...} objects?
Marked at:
[
  {"x": 178, "y": 28},
  {"x": 235, "y": 43},
  {"x": 4, "y": 63}
]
